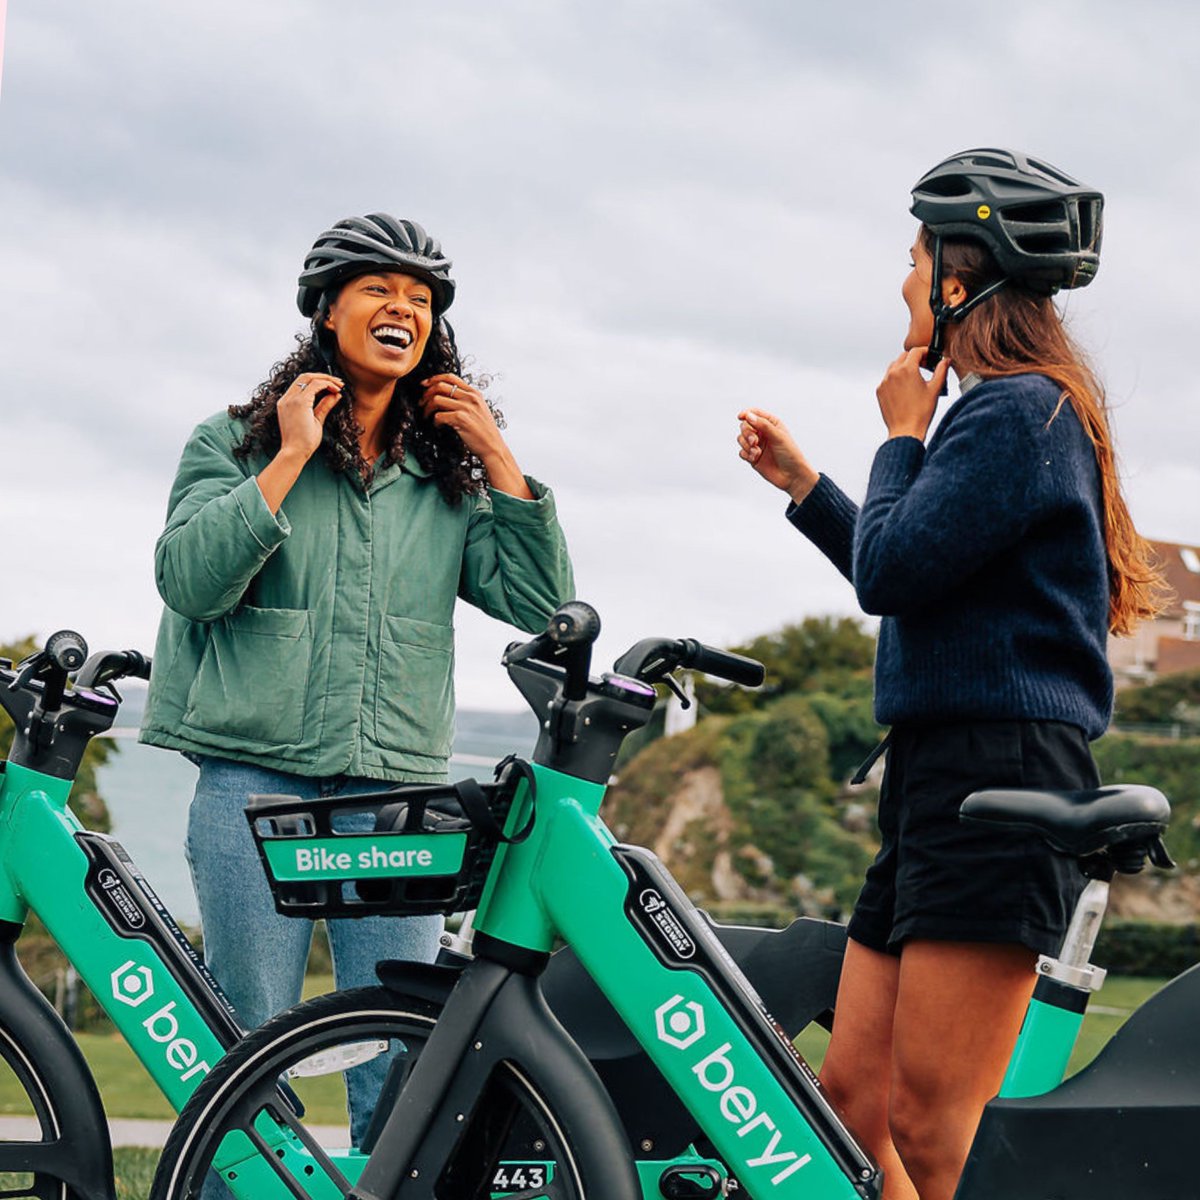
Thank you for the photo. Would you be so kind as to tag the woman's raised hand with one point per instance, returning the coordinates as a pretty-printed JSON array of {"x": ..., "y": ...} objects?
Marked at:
[
  {"x": 301, "y": 413},
  {"x": 302, "y": 410},
  {"x": 906, "y": 398},
  {"x": 449, "y": 400},
  {"x": 764, "y": 442}
]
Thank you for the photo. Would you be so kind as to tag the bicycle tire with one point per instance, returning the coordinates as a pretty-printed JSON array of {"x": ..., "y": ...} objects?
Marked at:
[
  {"x": 244, "y": 1082},
  {"x": 18, "y": 1154}
]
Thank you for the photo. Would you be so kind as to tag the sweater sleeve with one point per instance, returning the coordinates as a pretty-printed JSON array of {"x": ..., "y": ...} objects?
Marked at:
[
  {"x": 515, "y": 563},
  {"x": 827, "y": 516},
  {"x": 219, "y": 531},
  {"x": 931, "y": 519}
]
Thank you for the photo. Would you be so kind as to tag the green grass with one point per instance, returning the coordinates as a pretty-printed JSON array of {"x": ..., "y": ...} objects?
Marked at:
[
  {"x": 1121, "y": 994},
  {"x": 134, "y": 1170}
]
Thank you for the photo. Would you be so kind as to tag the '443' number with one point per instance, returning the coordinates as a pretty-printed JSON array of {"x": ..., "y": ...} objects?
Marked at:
[{"x": 519, "y": 1177}]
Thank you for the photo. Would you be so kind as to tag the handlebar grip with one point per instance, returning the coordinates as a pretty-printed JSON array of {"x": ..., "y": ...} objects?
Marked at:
[
  {"x": 66, "y": 649},
  {"x": 112, "y": 665},
  {"x": 575, "y": 623},
  {"x": 733, "y": 667},
  {"x": 139, "y": 664}
]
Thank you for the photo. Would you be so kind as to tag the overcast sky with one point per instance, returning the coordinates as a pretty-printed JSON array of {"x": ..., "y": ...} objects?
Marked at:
[{"x": 657, "y": 212}]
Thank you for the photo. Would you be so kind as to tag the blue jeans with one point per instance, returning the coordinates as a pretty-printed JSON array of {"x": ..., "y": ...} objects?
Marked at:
[{"x": 258, "y": 956}]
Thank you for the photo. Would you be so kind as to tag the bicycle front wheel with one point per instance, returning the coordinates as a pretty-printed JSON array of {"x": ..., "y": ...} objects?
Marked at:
[{"x": 241, "y": 1124}]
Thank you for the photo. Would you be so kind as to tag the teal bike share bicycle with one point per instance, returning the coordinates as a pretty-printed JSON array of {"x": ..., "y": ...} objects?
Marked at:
[
  {"x": 640, "y": 1060},
  {"x": 132, "y": 955},
  {"x": 651, "y": 1056},
  {"x": 104, "y": 916}
]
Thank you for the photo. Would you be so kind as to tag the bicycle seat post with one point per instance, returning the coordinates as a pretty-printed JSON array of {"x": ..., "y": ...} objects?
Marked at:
[{"x": 1072, "y": 966}]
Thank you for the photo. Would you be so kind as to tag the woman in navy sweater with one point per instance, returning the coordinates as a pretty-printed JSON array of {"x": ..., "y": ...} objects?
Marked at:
[{"x": 999, "y": 557}]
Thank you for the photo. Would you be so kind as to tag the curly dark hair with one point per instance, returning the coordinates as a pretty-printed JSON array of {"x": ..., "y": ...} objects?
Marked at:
[{"x": 439, "y": 449}]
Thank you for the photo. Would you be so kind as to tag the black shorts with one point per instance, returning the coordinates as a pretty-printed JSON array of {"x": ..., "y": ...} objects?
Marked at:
[{"x": 940, "y": 878}]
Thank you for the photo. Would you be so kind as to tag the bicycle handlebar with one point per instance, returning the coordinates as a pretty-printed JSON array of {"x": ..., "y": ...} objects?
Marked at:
[
  {"x": 574, "y": 624},
  {"x": 573, "y": 628},
  {"x": 582, "y": 720},
  {"x": 735, "y": 668},
  {"x": 66, "y": 649},
  {"x": 111, "y": 665}
]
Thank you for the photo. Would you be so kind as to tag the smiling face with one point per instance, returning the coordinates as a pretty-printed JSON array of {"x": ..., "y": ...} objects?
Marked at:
[{"x": 382, "y": 324}]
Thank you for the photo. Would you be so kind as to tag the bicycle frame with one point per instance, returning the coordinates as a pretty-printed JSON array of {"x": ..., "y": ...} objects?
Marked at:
[
  {"x": 660, "y": 965},
  {"x": 124, "y": 944},
  {"x": 662, "y": 968}
]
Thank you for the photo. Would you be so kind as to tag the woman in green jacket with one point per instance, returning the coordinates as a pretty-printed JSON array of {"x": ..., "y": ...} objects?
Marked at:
[{"x": 317, "y": 539}]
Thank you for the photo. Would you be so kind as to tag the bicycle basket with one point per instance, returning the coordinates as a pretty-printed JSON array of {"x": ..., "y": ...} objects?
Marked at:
[{"x": 415, "y": 849}]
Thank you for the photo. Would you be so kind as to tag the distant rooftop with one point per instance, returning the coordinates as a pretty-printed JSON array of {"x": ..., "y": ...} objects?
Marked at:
[{"x": 1181, "y": 565}]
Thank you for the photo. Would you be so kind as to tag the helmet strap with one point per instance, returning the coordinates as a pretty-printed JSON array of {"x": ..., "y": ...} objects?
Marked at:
[
  {"x": 944, "y": 313},
  {"x": 323, "y": 340}
]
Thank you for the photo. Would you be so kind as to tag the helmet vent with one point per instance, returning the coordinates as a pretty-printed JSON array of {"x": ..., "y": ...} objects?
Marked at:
[
  {"x": 991, "y": 160},
  {"x": 1089, "y": 223},
  {"x": 1048, "y": 213},
  {"x": 947, "y": 185},
  {"x": 1049, "y": 242},
  {"x": 1052, "y": 173}
]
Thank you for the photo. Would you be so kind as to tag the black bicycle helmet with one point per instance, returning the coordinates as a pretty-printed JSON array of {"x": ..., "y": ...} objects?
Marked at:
[
  {"x": 1042, "y": 227},
  {"x": 375, "y": 242}
]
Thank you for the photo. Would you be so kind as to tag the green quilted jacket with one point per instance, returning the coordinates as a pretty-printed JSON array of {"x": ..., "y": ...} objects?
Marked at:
[{"x": 320, "y": 640}]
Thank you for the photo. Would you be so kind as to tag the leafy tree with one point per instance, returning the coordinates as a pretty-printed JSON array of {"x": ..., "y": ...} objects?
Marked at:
[
  {"x": 849, "y": 720},
  {"x": 1172, "y": 700},
  {"x": 1172, "y": 766},
  {"x": 778, "y": 785},
  {"x": 776, "y": 813},
  {"x": 826, "y": 654}
]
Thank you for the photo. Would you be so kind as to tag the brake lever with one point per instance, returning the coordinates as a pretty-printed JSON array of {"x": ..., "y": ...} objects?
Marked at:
[
  {"x": 673, "y": 684},
  {"x": 520, "y": 651},
  {"x": 31, "y": 668}
]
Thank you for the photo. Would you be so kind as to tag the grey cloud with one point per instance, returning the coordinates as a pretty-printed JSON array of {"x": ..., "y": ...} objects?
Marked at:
[{"x": 658, "y": 212}]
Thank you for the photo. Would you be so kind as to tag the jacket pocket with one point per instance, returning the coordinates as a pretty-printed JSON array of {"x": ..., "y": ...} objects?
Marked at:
[
  {"x": 414, "y": 687},
  {"x": 253, "y": 677}
]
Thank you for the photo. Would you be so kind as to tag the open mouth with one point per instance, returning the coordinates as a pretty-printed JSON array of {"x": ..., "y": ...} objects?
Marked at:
[{"x": 394, "y": 337}]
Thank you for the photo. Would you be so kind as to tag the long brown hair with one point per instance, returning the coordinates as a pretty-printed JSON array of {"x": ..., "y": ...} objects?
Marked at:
[{"x": 1016, "y": 331}]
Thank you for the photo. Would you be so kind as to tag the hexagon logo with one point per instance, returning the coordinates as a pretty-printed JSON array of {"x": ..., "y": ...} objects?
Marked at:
[
  {"x": 679, "y": 1023},
  {"x": 132, "y": 985}
]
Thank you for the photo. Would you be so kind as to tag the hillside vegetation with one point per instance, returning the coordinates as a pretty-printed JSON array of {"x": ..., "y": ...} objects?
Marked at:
[
  {"x": 752, "y": 811},
  {"x": 749, "y": 809}
]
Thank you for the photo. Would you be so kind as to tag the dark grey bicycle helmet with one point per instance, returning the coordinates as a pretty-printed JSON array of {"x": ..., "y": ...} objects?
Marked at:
[
  {"x": 1042, "y": 227},
  {"x": 377, "y": 241}
]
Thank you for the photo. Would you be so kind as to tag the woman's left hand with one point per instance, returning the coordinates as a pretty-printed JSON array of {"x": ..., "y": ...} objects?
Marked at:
[
  {"x": 449, "y": 400},
  {"x": 906, "y": 398}
]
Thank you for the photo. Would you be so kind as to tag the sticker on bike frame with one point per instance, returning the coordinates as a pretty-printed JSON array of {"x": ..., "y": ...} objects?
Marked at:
[
  {"x": 521, "y": 1178},
  {"x": 382, "y": 856},
  {"x": 133, "y": 909},
  {"x": 666, "y": 926}
]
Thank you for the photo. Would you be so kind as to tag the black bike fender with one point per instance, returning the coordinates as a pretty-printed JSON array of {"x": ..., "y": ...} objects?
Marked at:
[
  {"x": 521, "y": 1029},
  {"x": 81, "y": 1154},
  {"x": 426, "y": 981}
]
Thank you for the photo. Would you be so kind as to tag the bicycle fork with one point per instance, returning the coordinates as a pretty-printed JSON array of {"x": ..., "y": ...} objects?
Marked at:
[{"x": 494, "y": 1019}]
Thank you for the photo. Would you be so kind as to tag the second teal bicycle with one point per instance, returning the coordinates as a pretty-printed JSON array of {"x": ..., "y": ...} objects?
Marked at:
[{"x": 492, "y": 1092}]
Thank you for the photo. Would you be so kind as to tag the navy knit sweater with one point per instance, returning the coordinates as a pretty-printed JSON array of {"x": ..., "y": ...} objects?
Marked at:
[{"x": 984, "y": 554}]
